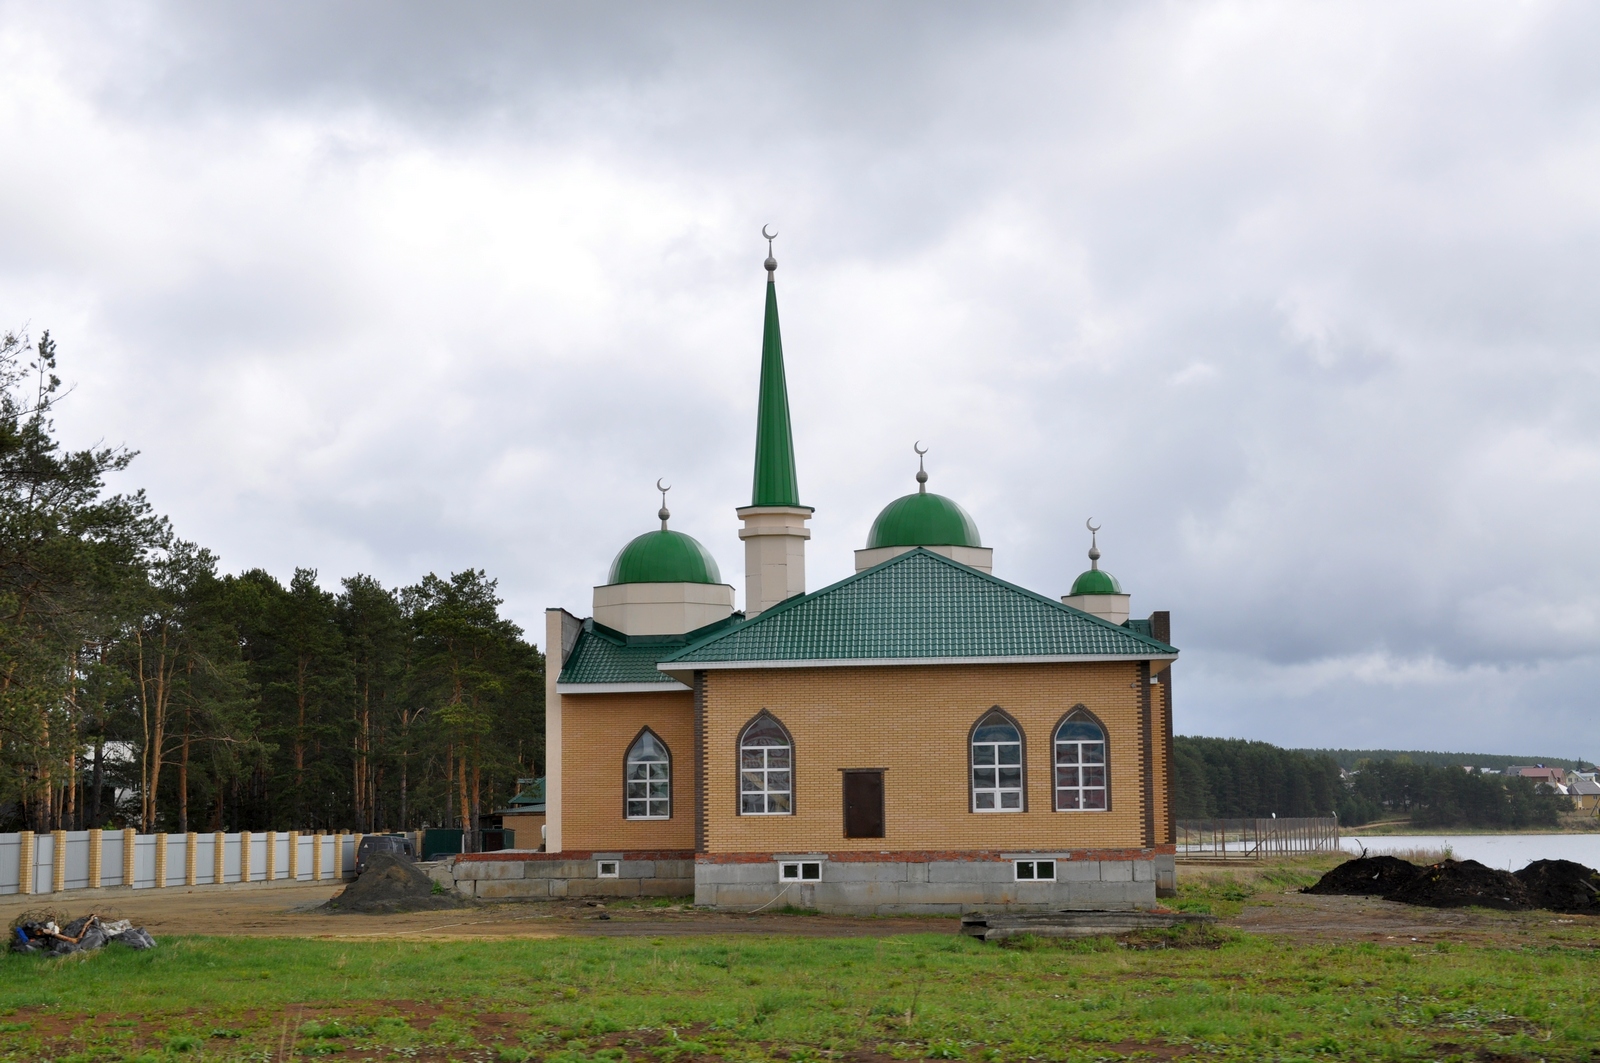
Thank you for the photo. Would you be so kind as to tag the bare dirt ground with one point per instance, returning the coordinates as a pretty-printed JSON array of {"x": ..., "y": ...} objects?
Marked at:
[
  {"x": 1306, "y": 916},
  {"x": 289, "y": 911}
]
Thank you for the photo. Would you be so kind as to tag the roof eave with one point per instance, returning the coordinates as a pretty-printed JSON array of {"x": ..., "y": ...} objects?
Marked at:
[
  {"x": 621, "y": 688},
  {"x": 683, "y": 671}
]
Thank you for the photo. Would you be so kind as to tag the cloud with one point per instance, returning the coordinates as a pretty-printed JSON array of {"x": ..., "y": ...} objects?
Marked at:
[{"x": 1297, "y": 302}]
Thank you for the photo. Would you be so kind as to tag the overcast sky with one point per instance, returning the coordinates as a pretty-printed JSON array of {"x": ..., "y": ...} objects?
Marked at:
[{"x": 1299, "y": 302}]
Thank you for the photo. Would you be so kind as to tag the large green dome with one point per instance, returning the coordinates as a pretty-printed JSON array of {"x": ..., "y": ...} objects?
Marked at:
[
  {"x": 1095, "y": 581},
  {"x": 664, "y": 556},
  {"x": 923, "y": 519}
]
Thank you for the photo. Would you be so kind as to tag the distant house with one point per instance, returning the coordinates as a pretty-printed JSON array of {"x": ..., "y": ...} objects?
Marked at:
[
  {"x": 1584, "y": 791},
  {"x": 1540, "y": 773},
  {"x": 524, "y": 816}
]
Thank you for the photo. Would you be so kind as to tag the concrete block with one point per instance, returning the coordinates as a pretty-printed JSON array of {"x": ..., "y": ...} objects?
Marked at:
[
  {"x": 1144, "y": 871},
  {"x": 675, "y": 869},
  {"x": 1111, "y": 895},
  {"x": 500, "y": 870},
  {"x": 705, "y": 893},
  {"x": 1116, "y": 871},
  {"x": 560, "y": 869},
  {"x": 637, "y": 869},
  {"x": 854, "y": 896},
  {"x": 498, "y": 889},
  {"x": 1077, "y": 871},
  {"x": 737, "y": 874},
  {"x": 604, "y": 887},
  {"x": 737, "y": 895},
  {"x": 869, "y": 871},
  {"x": 558, "y": 887},
  {"x": 469, "y": 871},
  {"x": 917, "y": 872},
  {"x": 970, "y": 871},
  {"x": 667, "y": 887}
]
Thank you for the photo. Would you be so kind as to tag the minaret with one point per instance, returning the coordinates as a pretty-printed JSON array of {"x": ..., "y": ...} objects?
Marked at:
[{"x": 774, "y": 531}]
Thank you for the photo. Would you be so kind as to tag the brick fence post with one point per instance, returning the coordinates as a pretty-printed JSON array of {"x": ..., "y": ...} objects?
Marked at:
[
  {"x": 191, "y": 855},
  {"x": 161, "y": 861},
  {"x": 130, "y": 838},
  {"x": 58, "y": 861},
  {"x": 96, "y": 848},
  {"x": 294, "y": 854},
  {"x": 316, "y": 857},
  {"x": 244, "y": 856},
  {"x": 219, "y": 858},
  {"x": 25, "y": 862},
  {"x": 272, "y": 855}
]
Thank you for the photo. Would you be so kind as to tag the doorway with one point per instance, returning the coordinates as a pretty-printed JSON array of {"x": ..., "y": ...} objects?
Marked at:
[{"x": 863, "y": 803}]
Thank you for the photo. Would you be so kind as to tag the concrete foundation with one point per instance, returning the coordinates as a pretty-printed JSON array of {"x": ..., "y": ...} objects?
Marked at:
[
  {"x": 541, "y": 876},
  {"x": 846, "y": 883},
  {"x": 952, "y": 885}
]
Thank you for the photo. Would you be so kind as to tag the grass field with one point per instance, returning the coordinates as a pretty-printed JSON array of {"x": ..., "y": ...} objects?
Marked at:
[{"x": 933, "y": 995}]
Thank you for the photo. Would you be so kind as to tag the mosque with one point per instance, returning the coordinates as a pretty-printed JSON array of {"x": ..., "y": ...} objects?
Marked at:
[{"x": 919, "y": 737}]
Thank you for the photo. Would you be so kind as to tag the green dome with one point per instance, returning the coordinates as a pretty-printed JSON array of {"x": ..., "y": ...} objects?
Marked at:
[
  {"x": 923, "y": 519},
  {"x": 664, "y": 556},
  {"x": 1095, "y": 581}
]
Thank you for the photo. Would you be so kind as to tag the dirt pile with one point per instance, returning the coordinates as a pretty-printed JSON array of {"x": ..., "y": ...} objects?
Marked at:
[
  {"x": 1561, "y": 886},
  {"x": 1367, "y": 876},
  {"x": 391, "y": 883},
  {"x": 1462, "y": 884}
]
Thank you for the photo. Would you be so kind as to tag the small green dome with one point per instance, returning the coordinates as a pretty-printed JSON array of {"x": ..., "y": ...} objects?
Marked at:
[
  {"x": 923, "y": 519},
  {"x": 664, "y": 556},
  {"x": 1095, "y": 581}
]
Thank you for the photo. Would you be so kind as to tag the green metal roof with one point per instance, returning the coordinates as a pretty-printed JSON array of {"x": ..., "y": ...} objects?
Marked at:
[
  {"x": 604, "y": 656},
  {"x": 664, "y": 556},
  {"x": 1095, "y": 581},
  {"x": 775, "y": 482},
  {"x": 917, "y": 605},
  {"x": 923, "y": 519}
]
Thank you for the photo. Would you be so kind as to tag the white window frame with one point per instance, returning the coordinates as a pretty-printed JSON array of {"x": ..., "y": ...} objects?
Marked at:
[
  {"x": 608, "y": 868},
  {"x": 996, "y": 792},
  {"x": 764, "y": 772},
  {"x": 1033, "y": 868},
  {"x": 800, "y": 871},
  {"x": 1056, "y": 764},
  {"x": 651, "y": 776}
]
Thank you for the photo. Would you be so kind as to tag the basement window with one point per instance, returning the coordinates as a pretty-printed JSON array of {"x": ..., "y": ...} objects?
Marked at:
[
  {"x": 610, "y": 868},
  {"x": 1036, "y": 870},
  {"x": 800, "y": 871}
]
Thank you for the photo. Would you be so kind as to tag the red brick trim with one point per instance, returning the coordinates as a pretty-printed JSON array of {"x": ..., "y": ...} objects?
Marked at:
[
  {"x": 516, "y": 856},
  {"x": 919, "y": 856}
]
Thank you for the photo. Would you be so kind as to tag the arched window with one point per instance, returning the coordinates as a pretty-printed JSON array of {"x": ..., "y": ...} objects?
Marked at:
[
  {"x": 647, "y": 778},
  {"x": 1080, "y": 756},
  {"x": 766, "y": 769},
  {"x": 996, "y": 764}
]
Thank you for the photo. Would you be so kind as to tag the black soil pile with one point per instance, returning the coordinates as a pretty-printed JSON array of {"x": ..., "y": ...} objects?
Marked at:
[
  {"x": 1367, "y": 876},
  {"x": 392, "y": 883},
  {"x": 1561, "y": 886},
  {"x": 1462, "y": 884}
]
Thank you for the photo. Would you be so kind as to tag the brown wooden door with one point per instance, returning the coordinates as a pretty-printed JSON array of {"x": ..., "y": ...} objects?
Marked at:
[{"x": 863, "y": 804}]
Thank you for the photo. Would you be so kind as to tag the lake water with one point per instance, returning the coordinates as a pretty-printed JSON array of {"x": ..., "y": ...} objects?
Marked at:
[{"x": 1510, "y": 852}]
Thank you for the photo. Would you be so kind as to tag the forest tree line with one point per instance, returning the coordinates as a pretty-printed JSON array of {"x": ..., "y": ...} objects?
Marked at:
[
  {"x": 141, "y": 687},
  {"x": 1234, "y": 778}
]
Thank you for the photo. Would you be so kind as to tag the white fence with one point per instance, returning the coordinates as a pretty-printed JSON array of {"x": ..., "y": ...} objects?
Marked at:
[{"x": 90, "y": 859}]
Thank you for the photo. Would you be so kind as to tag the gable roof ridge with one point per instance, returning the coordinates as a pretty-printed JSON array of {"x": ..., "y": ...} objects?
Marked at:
[{"x": 798, "y": 600}]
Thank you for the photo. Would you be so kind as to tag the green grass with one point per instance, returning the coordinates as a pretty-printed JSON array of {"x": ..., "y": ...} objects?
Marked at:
[{"x": 746, "y": 999}]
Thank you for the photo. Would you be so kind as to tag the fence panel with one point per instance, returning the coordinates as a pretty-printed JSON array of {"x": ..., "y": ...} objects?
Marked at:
[
  {"x": 77, "y": 857},
  {"x": 1255, "y": 839},
  {"x": 111, "y": 858},
  {"x": 10, "y": 862},
  {"x": 44, "y": 851}
]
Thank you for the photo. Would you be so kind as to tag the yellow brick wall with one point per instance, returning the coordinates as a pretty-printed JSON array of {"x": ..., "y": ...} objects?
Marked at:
[
  {"x": 597, "y": 730},
  {"x": 914, "y": 722}
]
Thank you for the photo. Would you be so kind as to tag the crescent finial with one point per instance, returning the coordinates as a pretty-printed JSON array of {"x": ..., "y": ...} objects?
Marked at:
[
  {"x": 766, "y": 235},
  {"x": 665, "y": 512},
  {"x": 1092, "y": 526},
  {"x": 919, "y": 448},
  {"x": 922, "y": 472},
  {"x": 665, "y": 489}
]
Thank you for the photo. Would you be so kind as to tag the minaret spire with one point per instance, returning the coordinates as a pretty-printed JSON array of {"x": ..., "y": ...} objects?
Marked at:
[
  {"x": 775, "y": 481},
  {"x": 774, "y": 531}
]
